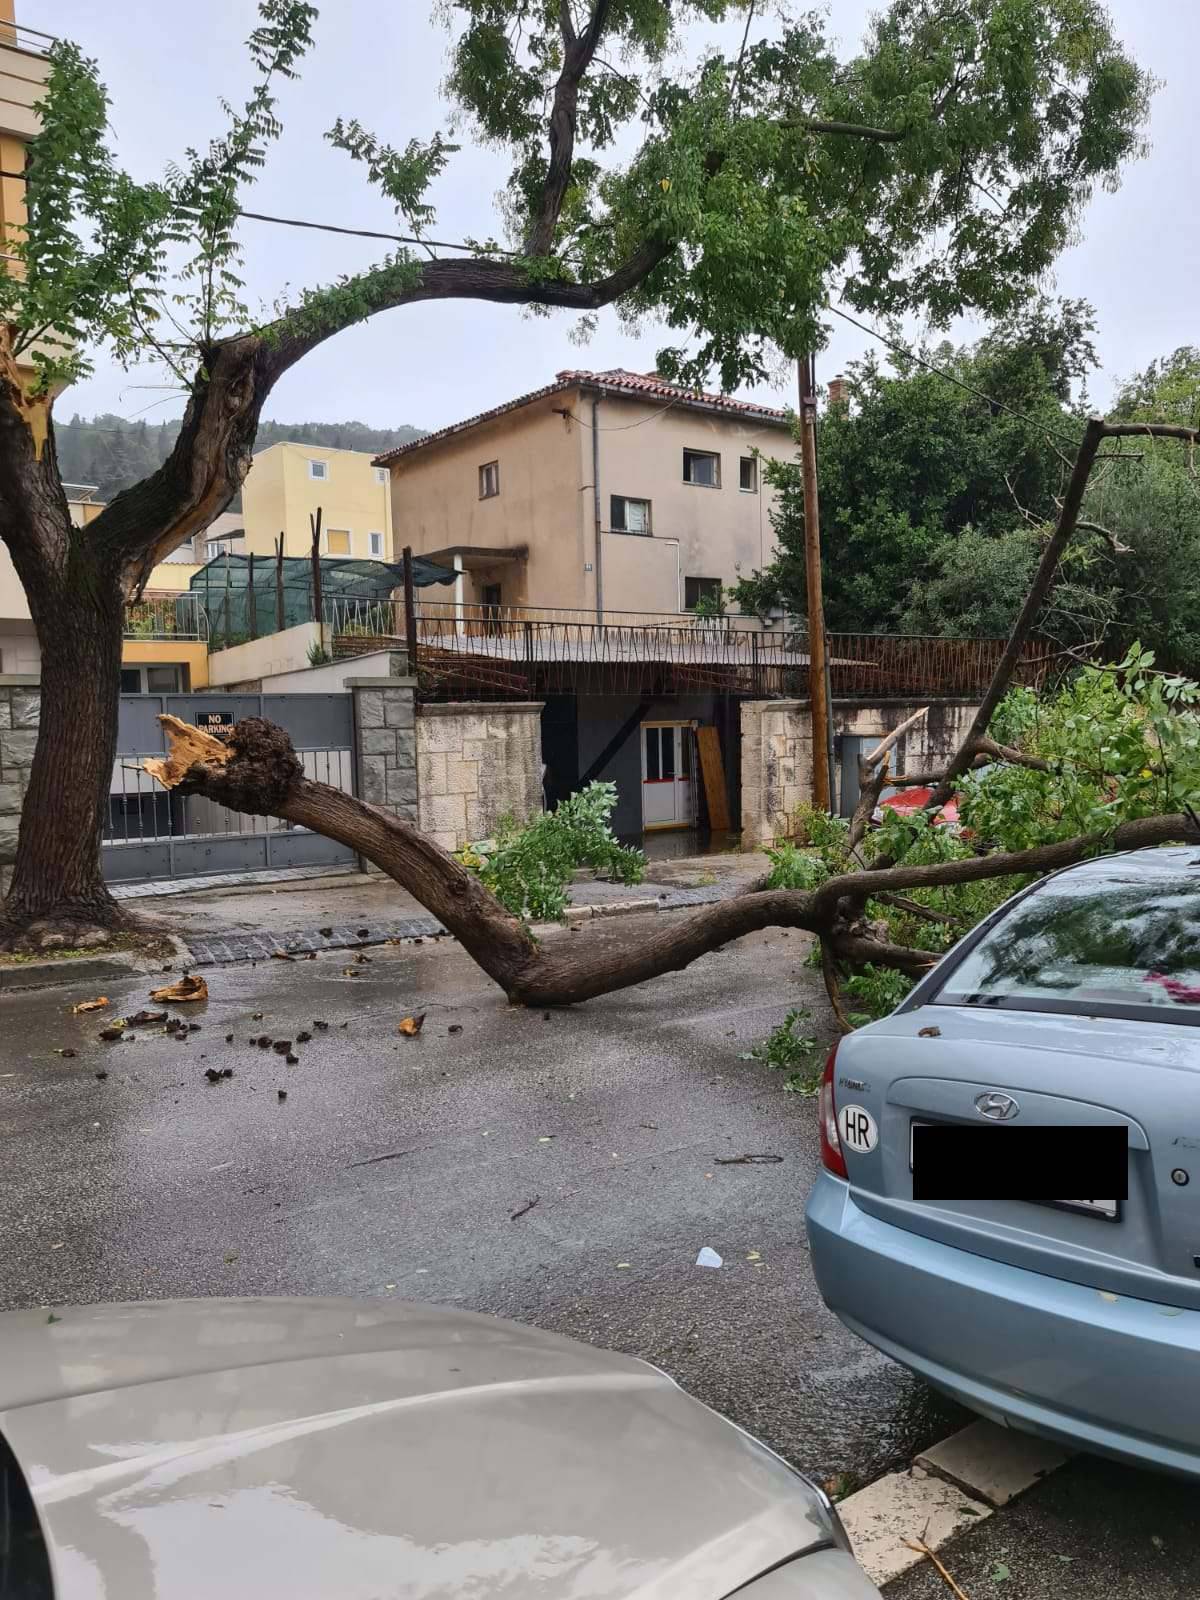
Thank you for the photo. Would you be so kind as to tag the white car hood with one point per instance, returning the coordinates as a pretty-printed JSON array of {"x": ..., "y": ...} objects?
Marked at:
[{"x": 361, "y": 1450}]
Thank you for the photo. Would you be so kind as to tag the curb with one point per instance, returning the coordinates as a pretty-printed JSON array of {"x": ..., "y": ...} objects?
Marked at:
[
  {"x": 87, "y": 969},
  {"x": 963, "y": 1480}
]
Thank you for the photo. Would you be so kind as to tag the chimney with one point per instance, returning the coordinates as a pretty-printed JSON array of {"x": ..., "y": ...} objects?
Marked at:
[{"x": 839, "y": 393}]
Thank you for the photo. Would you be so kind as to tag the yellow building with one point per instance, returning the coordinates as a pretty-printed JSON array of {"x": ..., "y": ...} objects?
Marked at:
[{"x": 286, "y": 485}]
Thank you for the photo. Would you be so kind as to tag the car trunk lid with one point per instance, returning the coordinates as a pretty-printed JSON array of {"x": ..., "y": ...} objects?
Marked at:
[{"x": 931, "y": 1064}]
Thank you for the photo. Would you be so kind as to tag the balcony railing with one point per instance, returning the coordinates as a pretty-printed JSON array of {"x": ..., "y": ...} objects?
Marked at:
[
  {"x": 179, "y": 616},
  {"x": 520, "y": 652}
]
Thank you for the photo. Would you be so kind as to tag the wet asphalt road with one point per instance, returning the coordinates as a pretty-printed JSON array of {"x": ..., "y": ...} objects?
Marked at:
[{"x": 395, "y": 1165}]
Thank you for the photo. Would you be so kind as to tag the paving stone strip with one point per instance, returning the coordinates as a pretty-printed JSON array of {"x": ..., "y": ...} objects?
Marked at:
[{"x": 229, "y": 947}]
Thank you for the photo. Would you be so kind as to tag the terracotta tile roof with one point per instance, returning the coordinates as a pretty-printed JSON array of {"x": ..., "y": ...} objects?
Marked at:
[{"x": 637, "y": 385}]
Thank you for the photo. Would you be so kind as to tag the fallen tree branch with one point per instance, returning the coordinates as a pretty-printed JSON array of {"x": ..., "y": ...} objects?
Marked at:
[
  {"x": 895, "y": 736},
  {"x": 914, "y": 908},
  {"x": 253, "y": 768}
]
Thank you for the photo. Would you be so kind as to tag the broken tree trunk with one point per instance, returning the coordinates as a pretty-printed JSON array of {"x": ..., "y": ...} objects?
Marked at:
[{"x": 254, "y": 768}]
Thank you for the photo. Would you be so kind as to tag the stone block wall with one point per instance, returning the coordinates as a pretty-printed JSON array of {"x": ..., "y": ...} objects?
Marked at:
[
  {"x": 477, "y": 762},
  {"x": 777, "y": 751},
  {"x": 386, "y": 743},
  {"x": 20, "y": 701}
]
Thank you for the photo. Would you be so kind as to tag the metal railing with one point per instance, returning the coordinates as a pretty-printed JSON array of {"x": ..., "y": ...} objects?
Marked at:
[
  {"x": 32, "y": 40},
  {"x": 520, "y": 652},
  {"x": 180, "y": 616}
]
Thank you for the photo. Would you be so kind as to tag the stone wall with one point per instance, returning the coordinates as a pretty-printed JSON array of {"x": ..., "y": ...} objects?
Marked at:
[
  {"x": 20, "y": 700},
  {"x": 477, "y": 762},
  {"x": 386, "y": 743},
  {"x": 777, "y": 751}
]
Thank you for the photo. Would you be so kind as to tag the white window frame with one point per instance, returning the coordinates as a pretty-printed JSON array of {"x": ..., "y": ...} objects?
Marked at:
[
  {"x": 343, "y": 555},
  {"x": 752, "y": 463},
  {"x": 709, "y": 455},
  {"x": 489, "y": 474},
  {"x": 318, "y": 470},
  {"x": 381, "y": 474},
  {"x": 626, "y": 501},
  {"x": 371, "y": 539},
  {"x": 214, "y": 548}
]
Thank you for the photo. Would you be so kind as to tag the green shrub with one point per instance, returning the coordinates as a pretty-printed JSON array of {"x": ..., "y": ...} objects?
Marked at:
[{"x": 528, "y": 868}]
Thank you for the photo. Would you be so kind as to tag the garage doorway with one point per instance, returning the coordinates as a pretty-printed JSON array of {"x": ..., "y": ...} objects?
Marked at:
[{"x": 667, "y": 764}]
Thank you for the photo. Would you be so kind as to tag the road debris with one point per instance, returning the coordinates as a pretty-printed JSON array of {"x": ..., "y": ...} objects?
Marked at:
[
  {"x": 282, "y": 955},
  {"x": 923, "y": 1549},
  {"x": 747, "y": 1160},
  {"x": 351, "y": 972},
  {"x": 455, "y": 1027},
  {"x": 303, "y": 1037},
  {"x": 528, "y": 1206},
  {"x": 326, "y": 933},
  {"x": 67, "y": 1052},
  {"x": 102, "y": 1075},
  {"x": 929, "y": 1033},
  {"x": 321, "y": 1025},
  {"x": 708, "y": 1258},
  {"x": 282, "y": 1047},
  {"x": 116, "y": 1030},
  {"x": 362, "y": 933},
  {"x": 293, "y": 1061},
  {"x": 188, "y": 988},
  {"x": 282, "y": 1093},
  {"x": 411, "y": 1026},
  {"x": 91, "y": 1005}
]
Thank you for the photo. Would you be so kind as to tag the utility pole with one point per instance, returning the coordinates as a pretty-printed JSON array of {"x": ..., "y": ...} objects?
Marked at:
[{"x": 817, "y": 673}]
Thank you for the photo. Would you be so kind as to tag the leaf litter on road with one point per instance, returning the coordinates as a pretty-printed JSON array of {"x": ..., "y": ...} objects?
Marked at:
[
  {"x": 188, "y": 988},
  {"x": 91, "y": 1005},
  {"x": 411, "y": 1026}
]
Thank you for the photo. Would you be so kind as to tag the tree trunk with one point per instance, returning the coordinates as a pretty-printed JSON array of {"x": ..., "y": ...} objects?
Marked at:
[
  {"x": 253, "y": 768},
  {"x": 58, "y": 892}
]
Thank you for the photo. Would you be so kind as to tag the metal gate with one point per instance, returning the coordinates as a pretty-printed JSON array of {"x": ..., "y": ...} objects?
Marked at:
[{"x": 152, "y": 832}]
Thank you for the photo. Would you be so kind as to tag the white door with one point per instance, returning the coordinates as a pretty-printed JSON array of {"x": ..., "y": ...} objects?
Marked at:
[{"x": 666, "y": 775}]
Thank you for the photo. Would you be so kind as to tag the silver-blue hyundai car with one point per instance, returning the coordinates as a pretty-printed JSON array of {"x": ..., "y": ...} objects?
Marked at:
[{"x": 1076, "y": 1005}]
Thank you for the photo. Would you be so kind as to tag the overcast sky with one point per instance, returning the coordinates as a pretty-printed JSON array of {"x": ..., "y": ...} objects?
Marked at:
[{"x": 166, "y": 64}]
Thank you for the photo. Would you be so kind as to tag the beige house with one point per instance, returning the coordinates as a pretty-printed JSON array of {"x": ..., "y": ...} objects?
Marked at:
[
  {"x": 602, "y": 492},
  {"x": 288, "y": 482}
]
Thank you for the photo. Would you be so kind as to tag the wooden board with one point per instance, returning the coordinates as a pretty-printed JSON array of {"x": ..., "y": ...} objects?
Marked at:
[{"x": 708, "y": 741}]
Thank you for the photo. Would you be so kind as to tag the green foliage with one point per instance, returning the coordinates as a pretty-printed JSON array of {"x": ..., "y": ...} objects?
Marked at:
[
  {"x": 1122, "y": 742},
  {"x": 318, "y": 656},
  {"x": 710, "y": 156},
  {"x": 529, "y": 868},
  {"x": 790, "y": 1052},
  {"x": 875, "y": 992}
]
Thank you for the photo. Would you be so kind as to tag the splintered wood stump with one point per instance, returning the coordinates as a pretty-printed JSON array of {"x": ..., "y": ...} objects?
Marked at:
[{"x": 187, "y": 747}]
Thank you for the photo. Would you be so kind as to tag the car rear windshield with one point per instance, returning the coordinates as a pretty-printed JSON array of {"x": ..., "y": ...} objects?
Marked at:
[{"x": 1117, "y": 949}]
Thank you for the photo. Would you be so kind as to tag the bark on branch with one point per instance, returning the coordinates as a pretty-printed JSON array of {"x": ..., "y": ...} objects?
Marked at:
[{"x": 254, "y": 768}]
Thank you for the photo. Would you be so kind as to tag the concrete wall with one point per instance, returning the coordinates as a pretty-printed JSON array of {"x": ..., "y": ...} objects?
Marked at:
[
  {"x": 280, "y": 493},
  {"x": 477, "y": 762},
  {"x": 333, "y": 678},
  {"x": 777, "y": 751},
  {"x": 260, "y": 658},
  {"x": 20, "y": 700}
]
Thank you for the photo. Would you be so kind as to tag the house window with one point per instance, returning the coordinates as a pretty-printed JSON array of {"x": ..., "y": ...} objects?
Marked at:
[
  {"x": 376, "y": 542},
  {"x": 696, "y": 590},
  {"x": 702, "y": 467},
  {"x": 489, "y": 480},
  {"x": 162, "y": 680},
  {"x": 131, "y": 680},
  {"x": 213, "y": 549},
  {"x": 381, "y": 474},
  {"x": 318, "y": 469},
  {"x": 630, "y": 516},
  {"x": 338, "y": 542},
  {"x": 748, "y": 475}
]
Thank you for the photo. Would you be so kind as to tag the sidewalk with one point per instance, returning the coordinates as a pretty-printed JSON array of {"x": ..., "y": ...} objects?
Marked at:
[
  {"x": 1093, "y": 1530},
  {"x": 251, "y": 920}
]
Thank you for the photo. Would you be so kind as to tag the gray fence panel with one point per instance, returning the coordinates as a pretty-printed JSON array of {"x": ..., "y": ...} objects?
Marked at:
[
  {"x": 151, "y": 833},
  {"x": 311, "y": 720}
]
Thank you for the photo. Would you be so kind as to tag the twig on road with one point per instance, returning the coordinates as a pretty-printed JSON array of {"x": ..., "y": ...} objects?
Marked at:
[{"x": 923, "y": 1549}]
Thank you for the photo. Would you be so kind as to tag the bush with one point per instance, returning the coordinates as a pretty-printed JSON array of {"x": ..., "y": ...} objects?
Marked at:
[{"x": 528, "y": 868}]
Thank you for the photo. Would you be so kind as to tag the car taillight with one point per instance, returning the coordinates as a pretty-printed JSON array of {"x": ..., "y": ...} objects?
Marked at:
[{"x": 832, "y": 1158}]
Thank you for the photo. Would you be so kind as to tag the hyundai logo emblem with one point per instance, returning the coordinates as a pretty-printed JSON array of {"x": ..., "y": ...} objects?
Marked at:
[{"x": 995, "y": 1106}]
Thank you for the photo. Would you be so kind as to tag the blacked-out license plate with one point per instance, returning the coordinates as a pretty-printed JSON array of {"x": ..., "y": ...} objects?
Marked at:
[{"x": 1109, "y": 1210}]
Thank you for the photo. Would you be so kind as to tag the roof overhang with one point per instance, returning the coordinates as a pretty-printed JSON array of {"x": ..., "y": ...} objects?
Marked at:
[{"x": 472, "y": 557}]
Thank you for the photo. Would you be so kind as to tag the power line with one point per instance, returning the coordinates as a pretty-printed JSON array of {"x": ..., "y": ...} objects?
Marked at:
[{"x": 999, "y": 405}]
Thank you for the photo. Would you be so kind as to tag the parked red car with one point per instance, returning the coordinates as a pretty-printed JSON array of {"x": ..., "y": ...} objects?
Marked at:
[{"x": 916, "y": 799}]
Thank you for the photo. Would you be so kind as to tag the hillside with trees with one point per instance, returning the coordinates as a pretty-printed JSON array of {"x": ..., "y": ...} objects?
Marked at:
[{"x": 114, "y": 454}]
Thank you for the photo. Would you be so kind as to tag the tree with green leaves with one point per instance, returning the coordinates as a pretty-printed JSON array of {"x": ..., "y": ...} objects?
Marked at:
[{"x": 940, "y": 170}]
